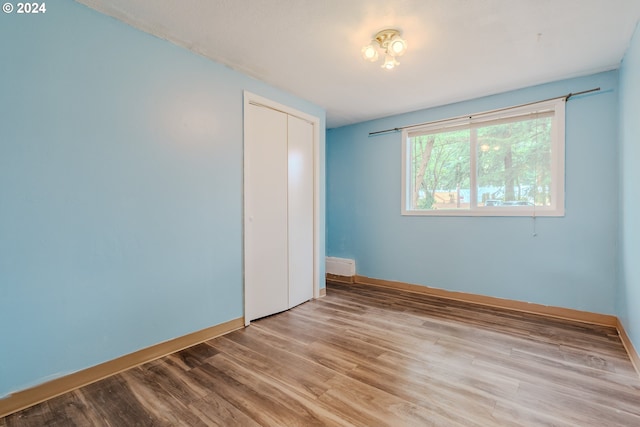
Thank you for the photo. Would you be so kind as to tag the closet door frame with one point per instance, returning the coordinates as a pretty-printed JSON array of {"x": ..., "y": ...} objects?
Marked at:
[{"x": 251, "y": 98}]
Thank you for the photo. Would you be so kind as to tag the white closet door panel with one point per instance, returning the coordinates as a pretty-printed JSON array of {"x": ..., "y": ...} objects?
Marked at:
[
  {"x": 266, "y": 253},
  {"x": 301, "y": 210}
]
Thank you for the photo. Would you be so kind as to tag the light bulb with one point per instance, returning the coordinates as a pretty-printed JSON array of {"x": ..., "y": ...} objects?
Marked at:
[
  {"x": 370, "y": 53},
  {"x": 389, "y": 62},
  {"x": 397, "y": 46}
]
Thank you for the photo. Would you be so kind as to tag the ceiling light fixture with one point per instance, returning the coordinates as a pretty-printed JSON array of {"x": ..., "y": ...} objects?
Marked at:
[{"x": 391, "y": 43}]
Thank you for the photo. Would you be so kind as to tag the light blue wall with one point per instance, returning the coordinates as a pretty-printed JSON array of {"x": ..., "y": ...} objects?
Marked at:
[
  {"x": 120, "y": 191},
  {"x": 571, "y": 263},
  {"x": 629, "y": 289}
]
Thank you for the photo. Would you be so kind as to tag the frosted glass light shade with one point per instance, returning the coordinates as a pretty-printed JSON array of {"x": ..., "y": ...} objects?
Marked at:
[
  {"x": 389, "y": 62},
  {"x": 397, "y": 46},
  {"x": 370, "y": 53}
]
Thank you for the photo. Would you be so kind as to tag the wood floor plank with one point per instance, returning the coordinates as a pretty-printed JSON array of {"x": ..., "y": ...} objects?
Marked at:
[
  {"x": 513, "y": 414},
  {"x": 163, "y": 405},
  {"x": 431, "y": 393},
  {"x": 584, "y": 411},
  {"x": 308, "y": 378},
  {"x": 196, "y": 355},
  {"x": 528, "y": 370},
  {"x": 369, "y": 406},
  {"x": 372, "y": 356},
  {"x": 263, "y": 401},
  {"x": 217, "y": 411},
  {"x": 114, "y": 402},
  {"x": 172, "y": 380},
  {"x": 456, "y": 380},
  {"x": 81, "y": 410},
  {"x": 47, "y": 413}
]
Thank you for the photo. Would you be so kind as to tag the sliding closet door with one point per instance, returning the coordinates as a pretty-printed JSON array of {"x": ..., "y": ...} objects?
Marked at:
[
  {"x": 300, "y": 215},
  {"x": 265, "y": 216}
]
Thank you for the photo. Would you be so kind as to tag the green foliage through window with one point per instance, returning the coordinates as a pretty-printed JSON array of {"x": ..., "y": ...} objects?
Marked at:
[{"x": 493, "y": 164}]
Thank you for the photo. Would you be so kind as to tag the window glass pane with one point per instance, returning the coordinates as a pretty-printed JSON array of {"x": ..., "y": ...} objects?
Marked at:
[
  {"x": 440, "y": 170},
  {"x": 517, "y": 155},
  {"x": 514, "y": 163}
]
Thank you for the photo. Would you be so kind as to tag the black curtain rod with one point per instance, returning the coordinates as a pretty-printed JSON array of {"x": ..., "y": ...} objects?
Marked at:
[{"x": 566, "y": 98}]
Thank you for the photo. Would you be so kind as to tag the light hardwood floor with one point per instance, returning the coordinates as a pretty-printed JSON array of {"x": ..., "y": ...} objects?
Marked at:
[{"x": 369, "y": 356}]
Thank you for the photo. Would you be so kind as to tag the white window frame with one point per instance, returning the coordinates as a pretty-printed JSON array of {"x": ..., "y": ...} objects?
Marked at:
[{"x": 477, "y": 120}]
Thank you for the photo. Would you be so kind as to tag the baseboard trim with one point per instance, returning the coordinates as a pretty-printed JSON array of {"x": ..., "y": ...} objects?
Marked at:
[
  {"x": 628, "y": 345},
  {"x": 323, "y": 292},
  {"x": 526, "y": 307},
  {"x": 32, "y": 396},
  {"x": 340, "y": 279}
]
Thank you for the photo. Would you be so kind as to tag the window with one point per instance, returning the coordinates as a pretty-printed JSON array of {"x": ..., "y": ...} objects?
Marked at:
[{"x": 508, "y": 162}]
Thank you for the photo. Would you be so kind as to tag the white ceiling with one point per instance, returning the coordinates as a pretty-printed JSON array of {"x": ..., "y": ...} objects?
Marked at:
[{"x": 458, "y": 49}]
